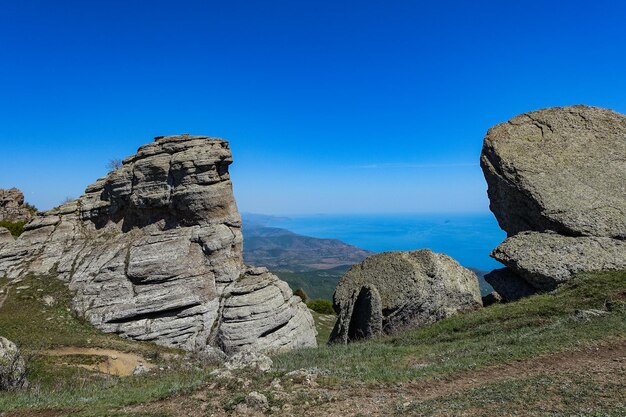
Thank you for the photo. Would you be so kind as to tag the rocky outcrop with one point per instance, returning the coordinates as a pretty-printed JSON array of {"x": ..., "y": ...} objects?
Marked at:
[
  {"x": 12, "y": 207},
  {"x": 546, "y": 260},
  {"x": 557, "y": 185},
  {"x": 12, "y": 366},
  {"x": 397, "y": 290},
  {"x": 153, "y": 251},
  {"x": 560, "y": 169},
  {"x": 5, "y": 237}
]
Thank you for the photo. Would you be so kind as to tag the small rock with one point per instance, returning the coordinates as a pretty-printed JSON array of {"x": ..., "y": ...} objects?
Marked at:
[
  {"x": 12, "y": 366},
  {"x": 491, "y": 298},
  {"x": 257, "y": 401},
  {"x": 140, "y": 369},
  {"x": 588, "y": 314},
  {"x": 249, "y": 359},
  {"x": 49, "y": 300},
  {"x": 22, "y": 287},
  {"x": 222, "y": 374},
  {"x": 276, "y": 384}
]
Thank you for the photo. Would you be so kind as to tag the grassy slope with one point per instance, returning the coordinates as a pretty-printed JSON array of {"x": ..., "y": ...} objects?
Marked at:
[
  {"x": 500, "y": 333},
  {"x": 469, "y": 343},
  {"x": 316, "y": 284},
  {"x": 29, "y": 322}
]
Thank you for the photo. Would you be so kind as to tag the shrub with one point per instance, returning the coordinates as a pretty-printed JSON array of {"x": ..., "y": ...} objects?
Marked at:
[
  {"x": 321, "y": 306},
  {"x": 300, "y": 293},
  {"x": 16, "y": 228},
  {"x": 30, "y": 208}
]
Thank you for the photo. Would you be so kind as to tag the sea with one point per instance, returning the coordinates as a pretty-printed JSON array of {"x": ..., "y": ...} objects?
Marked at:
[{"x": 468, "y": 238}]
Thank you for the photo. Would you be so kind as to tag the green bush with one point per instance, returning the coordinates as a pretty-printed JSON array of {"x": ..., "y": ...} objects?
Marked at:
[
  {"x": 30, "y": 208},
  {"x": 16, "y": 228},
  {"x": 321, "y": 306},
  {"x": 300, "y": 293}
]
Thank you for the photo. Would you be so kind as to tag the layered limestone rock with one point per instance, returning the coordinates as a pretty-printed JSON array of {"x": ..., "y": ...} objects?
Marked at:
[
  {"x": 557, "y": 185},
  {"x": 153, "y": 251},
  {"x": 12, "y": 207},
  {"x": 396, "y": 290},
  {"x": 5, "y": 237}
]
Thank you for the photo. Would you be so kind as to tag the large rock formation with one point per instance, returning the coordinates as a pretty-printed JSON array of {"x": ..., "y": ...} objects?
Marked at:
[
  {"x": 12, "y": 206},
  {"x": 396, "y": 290},
  {"x": 153, "y": 251},
  {"x": 561, "y": 174}
]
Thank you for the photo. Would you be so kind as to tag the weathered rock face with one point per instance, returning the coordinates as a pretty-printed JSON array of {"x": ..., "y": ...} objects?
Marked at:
[
  {"x": 561, "y": 169},
  {"x": 12, "y": 366},
  {"x": 153, "y": 251},
  {"x": 546, "y": 260},
  {"x": 395, "y": 290},
  {"x": 5, "y": 237},
  {"x": 557, "y": 185},
  {"x": 12, "y": 207}
]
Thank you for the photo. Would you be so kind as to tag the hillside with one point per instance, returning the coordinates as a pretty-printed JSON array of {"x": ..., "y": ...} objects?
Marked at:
[
  {"x": 319, "y": 283},
  {"x": 557, "y": 354},
  {"x": 282, "y": 250}
]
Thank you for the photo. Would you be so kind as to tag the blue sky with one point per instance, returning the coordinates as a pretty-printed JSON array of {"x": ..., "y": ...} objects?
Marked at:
[{"x": 330, "y": 106}]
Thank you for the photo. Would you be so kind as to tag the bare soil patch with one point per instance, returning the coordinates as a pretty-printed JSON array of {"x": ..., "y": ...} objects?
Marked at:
[{"x": 113, "y": 361}]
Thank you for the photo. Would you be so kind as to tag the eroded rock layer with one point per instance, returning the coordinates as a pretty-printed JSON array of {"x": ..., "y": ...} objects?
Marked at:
[
  {"x": 153, "y": 251},
  {"x": 12, "y": 206},
  {"x": 392, "y": 291}
]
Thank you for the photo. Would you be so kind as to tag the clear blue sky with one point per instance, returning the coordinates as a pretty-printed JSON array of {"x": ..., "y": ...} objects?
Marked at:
[{"x": 330, "y": 106}]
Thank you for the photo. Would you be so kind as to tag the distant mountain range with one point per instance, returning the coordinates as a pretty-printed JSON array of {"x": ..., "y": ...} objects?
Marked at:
[
  {"x": 282, "y": 250},
  {"x": 312, "y": 264}
]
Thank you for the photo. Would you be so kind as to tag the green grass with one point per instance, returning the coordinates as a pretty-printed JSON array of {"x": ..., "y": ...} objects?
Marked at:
[
  {"x": 557, "y": 395},
  {"x": 500, "y": 333},
  {"x": 508, "y": 333},
  {"x": 16, "y": 228},
  {"x": 26, "y": 320},
  {"x": 324, "y": 324}
]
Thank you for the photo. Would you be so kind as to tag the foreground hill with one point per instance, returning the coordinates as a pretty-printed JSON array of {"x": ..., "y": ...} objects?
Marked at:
[{"x": 557, "y": 354}]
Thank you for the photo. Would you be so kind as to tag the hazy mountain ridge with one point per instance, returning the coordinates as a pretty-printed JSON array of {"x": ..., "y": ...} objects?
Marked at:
[{"x": 282, "y": 250}]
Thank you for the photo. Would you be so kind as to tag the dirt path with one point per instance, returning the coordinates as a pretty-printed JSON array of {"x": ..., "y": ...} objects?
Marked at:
[
  {"x": 113, "y": 362},
  {"x": 602, "y": 361}
]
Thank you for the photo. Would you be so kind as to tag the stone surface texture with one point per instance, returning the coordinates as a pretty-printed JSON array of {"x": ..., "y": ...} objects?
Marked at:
[
  {"x": 557, "y": 185},
  {"x": 153, "y": 251},
  {"x": 561, "y": 169},
  {"x": 546, "y": 260},
  {"x": 12, "y": 366},
  {"x": 12, "y": 206},
  {"x": 397, "y": 290}
]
